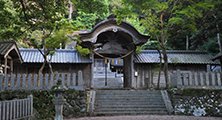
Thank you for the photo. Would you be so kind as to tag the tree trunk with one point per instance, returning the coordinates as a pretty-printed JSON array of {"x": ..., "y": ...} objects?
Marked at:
[
  {"x": 187, "y": 43},
  {"x": 160, "y": 66},
  {"x": 165, "y": 58},
  {"x": 50, "y": 65},
  {"x": 219, "y": 43},
  {"x": 218, "y": 35},
  {"x": 165, "y": 68},
  {"x": 44, "y": 54},
  {"x": 43, "y": 65},
  {"x": 70, "y": 10}
]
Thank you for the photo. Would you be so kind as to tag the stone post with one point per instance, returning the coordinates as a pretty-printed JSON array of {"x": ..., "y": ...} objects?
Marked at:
[{"x": 59, "y": 100}]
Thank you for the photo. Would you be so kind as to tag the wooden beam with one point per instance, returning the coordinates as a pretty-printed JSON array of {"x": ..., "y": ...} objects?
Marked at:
[
  {"x": 6, "y": 66},
  {"x": 9, "y": 57},
  {"x": 17, "y": 51}
]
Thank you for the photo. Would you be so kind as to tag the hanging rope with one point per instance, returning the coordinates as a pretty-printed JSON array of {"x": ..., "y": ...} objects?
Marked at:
[{"x": 110, "y": 57}]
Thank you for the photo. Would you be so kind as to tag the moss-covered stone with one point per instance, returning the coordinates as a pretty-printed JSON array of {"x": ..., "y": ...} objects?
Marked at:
[
  {"x": 42, "y": 102},
  {"x": 198, "y": 102}
]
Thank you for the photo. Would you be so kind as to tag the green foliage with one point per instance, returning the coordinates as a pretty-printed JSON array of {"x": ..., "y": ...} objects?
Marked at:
[
  {"x": 136, "y": 23},
  {"x": 60, "y": 36},
  {"x": 175, "y": 20},
  {"x": 87, "y": 19},
  {"x": 37, "y": 17},
  {"x": 42, "y": 101},
  {"x": 10, "y": 25},
  {"x": 114, "y": 4},
  {"x": 208, "y": 30},
  {"x": 156, "y": 70},
  {"x": 158, "y": 16},
  {"x": 91, "y": 6},
  {"x": 182, "y": 13},
  {"x": 41, "y": 14},
  {"x": 210, "y": 46},
  {"x": 149, "y": 45},
  {"x": 90, "y": 12},
  {"x": 82, "y": 51}
]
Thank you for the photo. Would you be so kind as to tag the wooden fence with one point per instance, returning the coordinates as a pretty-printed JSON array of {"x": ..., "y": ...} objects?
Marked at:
[
  {"x": 17, "y": 109},
  {"x": 203, "y": 80},
  {"x": 40, "y": 82}
]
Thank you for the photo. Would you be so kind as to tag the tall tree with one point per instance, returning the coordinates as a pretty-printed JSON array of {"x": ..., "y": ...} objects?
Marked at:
[
  {"x": 43, "y": 15},
  {"x": 90, "y": 12},
  {"x": 209, "y": 29},
  {"x": 158, "y": 16},
  {"x": 10, "y": 25}
]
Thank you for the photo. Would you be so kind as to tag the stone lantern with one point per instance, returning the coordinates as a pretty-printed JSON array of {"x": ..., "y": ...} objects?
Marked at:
[{"x": 59, "y": 100}]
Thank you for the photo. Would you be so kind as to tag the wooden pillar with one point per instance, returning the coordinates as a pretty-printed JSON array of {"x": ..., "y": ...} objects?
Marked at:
[
  {"x": 11, "y": 66},
  {"x": 208, "y": 69},
  {"x": 187, "y": 43},
  {"x": 128, "y": 71},
  {"x": 92, "y": 70},
  {"x": 6, "y": 60}
]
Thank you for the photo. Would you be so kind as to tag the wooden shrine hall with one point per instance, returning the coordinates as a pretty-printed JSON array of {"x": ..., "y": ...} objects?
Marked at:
[{"x": 9, "y": 54}]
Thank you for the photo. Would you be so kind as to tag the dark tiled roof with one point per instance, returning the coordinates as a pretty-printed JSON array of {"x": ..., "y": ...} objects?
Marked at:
[
  {"x": 5, "y": 46},
  {"x": 175, "y": 56},
  {"x": 60, "y": 56},
  {"x": 10, "y": 48},
  {"x": 218, "y": 56}
]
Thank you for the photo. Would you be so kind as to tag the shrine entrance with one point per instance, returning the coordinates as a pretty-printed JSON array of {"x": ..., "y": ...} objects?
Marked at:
[{"x": 112, "y": 50}]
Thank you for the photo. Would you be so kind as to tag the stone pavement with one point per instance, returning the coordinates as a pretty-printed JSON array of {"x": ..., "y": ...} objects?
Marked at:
[
  {"x": 148, "y": 117},
  {"x": 111, "y": 82}
]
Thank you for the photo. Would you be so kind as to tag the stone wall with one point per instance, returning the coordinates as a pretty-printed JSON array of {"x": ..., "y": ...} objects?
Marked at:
[
  {"x": 196, "y": 102},
  {"x": 75, "y": 105}
]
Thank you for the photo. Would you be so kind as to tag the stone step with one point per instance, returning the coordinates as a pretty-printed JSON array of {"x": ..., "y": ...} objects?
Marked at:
[
  {"x": 130, "y": 109},
  {"x": 136, "y": 102},
  {"x": 129, "y": 102},
  {"x": 108, "y": 113},
  {"x": 138, "y": 97},
  {"x": 129, "y": 94},
  {"x": 130, "y": 106},
  {"x": 127, "y": 91},
  {"x": 104, "y": 104}
]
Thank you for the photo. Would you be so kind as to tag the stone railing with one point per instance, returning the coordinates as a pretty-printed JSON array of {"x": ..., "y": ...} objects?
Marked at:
[
  {"x": 17, "y": 109},
  {"x": 40, "y": 82},
  {"x": 202, "y": 80}
]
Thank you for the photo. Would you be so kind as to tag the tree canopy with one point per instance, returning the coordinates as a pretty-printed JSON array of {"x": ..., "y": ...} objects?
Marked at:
[
  {"x": 159, "y": 16},
  {"x": 44, "y": 23}
]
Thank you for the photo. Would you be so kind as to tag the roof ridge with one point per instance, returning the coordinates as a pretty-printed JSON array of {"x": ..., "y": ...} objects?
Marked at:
[
  {"x": 57, "y": 50},
  {"x": 10, "y": 41},
  {"x": 176, "y": 51}
]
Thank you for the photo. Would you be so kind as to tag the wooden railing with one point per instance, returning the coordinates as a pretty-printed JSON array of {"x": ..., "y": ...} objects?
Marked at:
[
  {"x": 17, "y": 109},
  {"x": 203, "y": 80},
  {"x": 40, "y": 82}
]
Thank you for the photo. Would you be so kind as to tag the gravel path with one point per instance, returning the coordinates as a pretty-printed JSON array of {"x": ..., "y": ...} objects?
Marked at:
[{"x": 148, "y": 117}]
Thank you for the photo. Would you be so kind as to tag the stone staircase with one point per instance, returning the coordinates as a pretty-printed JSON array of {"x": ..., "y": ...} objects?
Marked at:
[
  {"x": 129, "y": 102},
  {"x": 111, "y": 83}
]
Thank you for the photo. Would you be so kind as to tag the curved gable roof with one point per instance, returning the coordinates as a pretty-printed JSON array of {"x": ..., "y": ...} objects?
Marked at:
[{"x": 111, "y": 25}]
